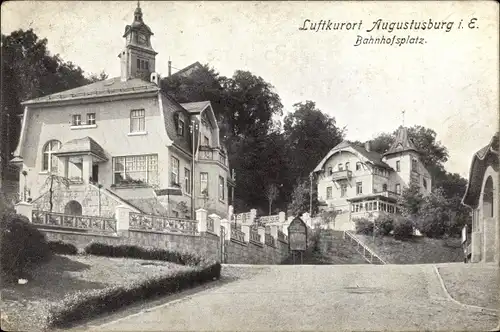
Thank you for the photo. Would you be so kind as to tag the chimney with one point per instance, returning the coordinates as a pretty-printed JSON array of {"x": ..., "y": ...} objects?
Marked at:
[
  {"x": 368, "y": 146},
  {"x": 169, "y": 67}
]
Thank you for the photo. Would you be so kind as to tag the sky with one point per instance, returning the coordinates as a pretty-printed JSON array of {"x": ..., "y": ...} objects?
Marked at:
[{"x": 449, "y": 83}]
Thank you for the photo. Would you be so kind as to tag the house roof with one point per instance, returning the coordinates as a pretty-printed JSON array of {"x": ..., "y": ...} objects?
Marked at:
[
  {"x": 402, "y": 142},
  {"x": 110, "y": 87},
  {"x": 195, "y": 107},
  {"x": 486, "y": 156},
  {"x": 186, "y": 70},
  {"x": 82, "y": 145},
  {"x": 371, "y": 156}
]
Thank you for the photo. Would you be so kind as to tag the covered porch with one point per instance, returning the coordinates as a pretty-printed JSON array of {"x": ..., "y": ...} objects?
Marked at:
[
  {"x": 370, "y": 206},
  {"x": 79, "y": 160}
]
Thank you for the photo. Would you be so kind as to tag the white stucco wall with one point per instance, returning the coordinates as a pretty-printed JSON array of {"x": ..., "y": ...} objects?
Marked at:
[{"x": 111, "y": 132}]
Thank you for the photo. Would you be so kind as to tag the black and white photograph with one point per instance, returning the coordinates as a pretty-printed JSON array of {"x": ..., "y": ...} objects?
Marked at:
[{"x": 249, "y": 166}]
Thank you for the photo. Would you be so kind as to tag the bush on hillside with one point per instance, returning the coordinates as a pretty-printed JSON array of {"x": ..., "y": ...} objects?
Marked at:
[
  {"x": 363, "y": 226},
  {"x": 403, "y": 228},
  {"x": 130, "y": 251},
  {"x": 384, "y": 224},
  {"x": 84, "y": 305},
  {"x": 62, "y": 248},
  {"x": 22, "y": 246}
]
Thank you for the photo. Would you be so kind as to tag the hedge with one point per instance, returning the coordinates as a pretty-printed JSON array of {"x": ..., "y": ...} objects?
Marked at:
[
  {"x": 403, "y": 228},
  {"x": 22, "y": 246},
  {"x": 131, "y": 251},
  {"x": 363, "y": 226},
  {"x": 86, "y": 305},
  {"x": 62, "y": 248}
]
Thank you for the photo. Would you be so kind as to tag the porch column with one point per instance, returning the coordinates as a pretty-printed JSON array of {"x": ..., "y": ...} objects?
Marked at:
[{"x": 87, "y": 168}]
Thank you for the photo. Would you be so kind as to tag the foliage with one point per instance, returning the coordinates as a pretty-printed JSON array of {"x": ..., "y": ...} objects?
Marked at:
[
  {"x": 300, "y": 202},
  {"x": 329, "y": 215},
  {"x": 29, "y": 71},
  {"x": 131, "y": 251},
  {"x": 402, "y": 227},
  {"x": 22, "y": 246},
  {"x": 310, "y": 134},
  {"x": 54, "y": 183},
  {"x": 384, "y": 224},
  {"x": 410, "y": 200},
  {"x": 363, "y": 226},
  {"x": 85, "y": 305},
  {"x": 62, "y": 248}
]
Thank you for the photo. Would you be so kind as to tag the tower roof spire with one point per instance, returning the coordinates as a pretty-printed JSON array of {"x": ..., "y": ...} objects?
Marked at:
[{"x": 402, "y": 142}]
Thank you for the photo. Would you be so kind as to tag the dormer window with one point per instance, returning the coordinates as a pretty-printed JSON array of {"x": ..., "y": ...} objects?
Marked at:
[{"x": 341, "y": 167}]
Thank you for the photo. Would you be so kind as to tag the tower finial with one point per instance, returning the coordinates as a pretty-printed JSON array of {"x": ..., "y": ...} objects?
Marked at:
[
  {"x": 403, "y": 116},
  {"x": 138, "y": 4}
]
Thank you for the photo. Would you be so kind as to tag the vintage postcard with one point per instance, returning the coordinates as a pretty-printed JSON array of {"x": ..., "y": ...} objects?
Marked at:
[{"x": 249, "y": 165}]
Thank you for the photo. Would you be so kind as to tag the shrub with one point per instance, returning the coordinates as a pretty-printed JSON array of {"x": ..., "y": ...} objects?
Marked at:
[
  {"x": 22, "y": 246},
  {"x": 84, "y": 305},
  {"x": 63, "y": 248},
  {"x": 130, "y": 251},
  {"x": 384, "y": 224},
  {"x": 363, "y": 226},
  {"x": 403, "y": 228}
]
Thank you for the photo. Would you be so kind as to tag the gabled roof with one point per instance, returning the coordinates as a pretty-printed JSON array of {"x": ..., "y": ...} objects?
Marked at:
[
  {"x": 486, "y": 156},
  {"x": 372, "y": 156},
  {"x": 82, "y": 145},
  {"x": 187, "y": 70},
  {"x": 109, "y": 87},
  {"x": 402, "y": 142},
  {"x": 195, "y": 107}
]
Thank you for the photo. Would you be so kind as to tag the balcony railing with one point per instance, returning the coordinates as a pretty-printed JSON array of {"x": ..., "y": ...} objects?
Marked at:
[
  {"x": 212, "y": 154},
  {"x": 341, "y": 175},
  {"x": 146, "y": 222},
  {"x": 92, "y": 223}
]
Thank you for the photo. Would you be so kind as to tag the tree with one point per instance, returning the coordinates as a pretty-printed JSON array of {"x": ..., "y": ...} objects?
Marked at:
[
  {"x": 54, "y": 182},
  {"x": 300, "y": 199},
  {"x": 409, "y": 201},
  {"x": 29, "y": 71},
  {"x": 329, "y": 215},
  {"x": 310, "y": 135},
  {"x": 271, "y": 194}
]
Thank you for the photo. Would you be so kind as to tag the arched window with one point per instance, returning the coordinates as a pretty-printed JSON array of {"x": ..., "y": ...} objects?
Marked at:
[
  {"x": 341, "y": 167},
  {"x": 347, "y": 164},
  {"x": 488, "y": 198},
  {"x": 384, "y": 187},
  {"x": 49, "y": 161},
  {"x": 358, "y": 166}
]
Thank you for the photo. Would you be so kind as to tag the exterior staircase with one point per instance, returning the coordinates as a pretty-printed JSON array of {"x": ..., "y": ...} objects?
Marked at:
[{"x": 331, "y": 248}]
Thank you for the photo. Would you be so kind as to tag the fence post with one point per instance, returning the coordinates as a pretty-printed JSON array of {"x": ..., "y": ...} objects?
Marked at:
[
  {"x": 253, "y": 215},
  {"x": 246, "y": 230},
  {"x": 201, "y": 217},
  {"x": 216, "y": 220},
  {"x": 25, "y": 209},
  {"x": 274, "y": 231},
  {"x": 227, "y": 227},
  {"x": 122, "y": 214},
  {"x": 262, "y": 232}
]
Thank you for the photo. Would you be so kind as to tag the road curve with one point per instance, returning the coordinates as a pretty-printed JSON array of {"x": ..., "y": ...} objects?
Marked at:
[{"x": 313, "y": 298}]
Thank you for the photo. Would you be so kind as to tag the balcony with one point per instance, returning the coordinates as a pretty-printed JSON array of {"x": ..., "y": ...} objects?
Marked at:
[
  {"x": 387, "y": 193},
  {"x": 341, "y": 175},
  {"x": 212, "y": 154}
]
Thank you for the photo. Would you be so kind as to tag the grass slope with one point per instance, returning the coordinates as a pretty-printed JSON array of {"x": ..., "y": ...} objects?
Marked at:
[
  {"x": 26, "y": 307},
  {"x": 416, "y": 250}
]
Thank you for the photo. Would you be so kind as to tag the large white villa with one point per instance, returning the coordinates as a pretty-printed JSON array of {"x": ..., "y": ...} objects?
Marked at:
[
  {"x": 123, "y": 141},
  {"x": 358, "y": 182}
]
